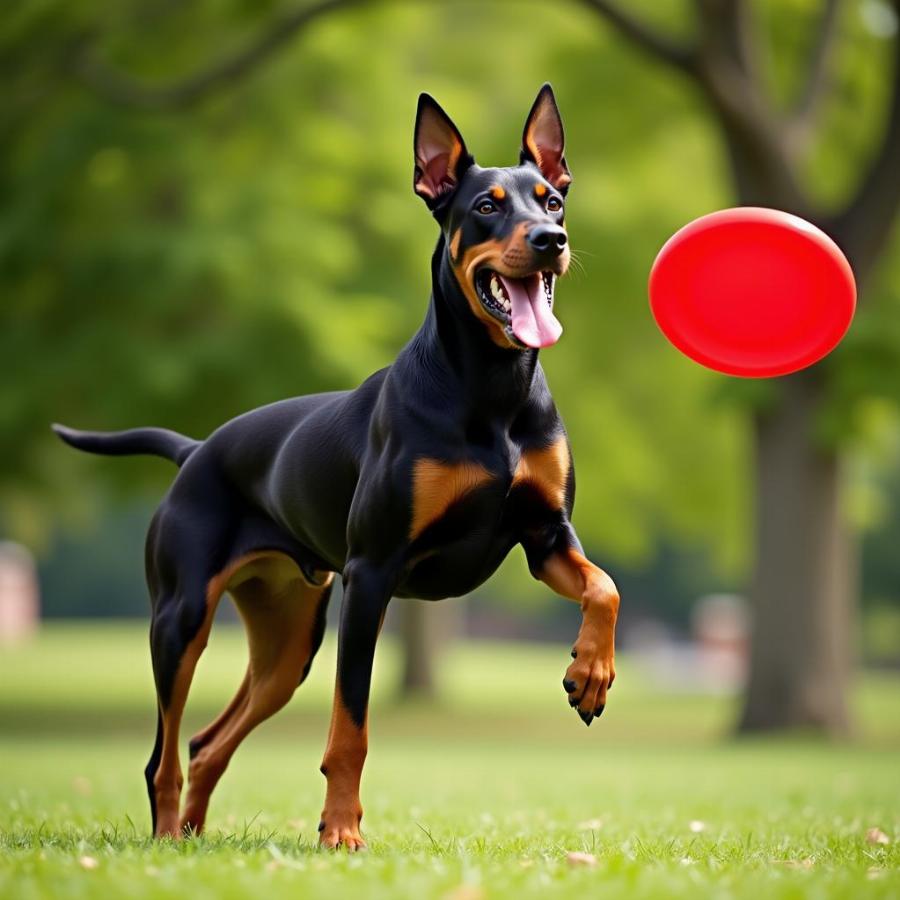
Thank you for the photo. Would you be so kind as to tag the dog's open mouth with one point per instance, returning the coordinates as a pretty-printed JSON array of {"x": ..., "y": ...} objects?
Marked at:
[{"x": 523, "y": 305}]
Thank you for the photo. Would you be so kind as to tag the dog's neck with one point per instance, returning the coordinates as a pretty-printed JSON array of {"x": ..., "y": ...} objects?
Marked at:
[{"x": 495, "y": 381}]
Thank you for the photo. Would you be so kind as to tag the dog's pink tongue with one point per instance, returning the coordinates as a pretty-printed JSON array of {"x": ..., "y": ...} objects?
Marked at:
[{"x": 533, "y": 322}]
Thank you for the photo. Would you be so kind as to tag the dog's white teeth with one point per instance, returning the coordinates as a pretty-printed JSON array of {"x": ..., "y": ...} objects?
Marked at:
[
  {"x": 549, "y": 278},
  {"x": 498, "y": 294},
  {"x": 494, "y": 294}
]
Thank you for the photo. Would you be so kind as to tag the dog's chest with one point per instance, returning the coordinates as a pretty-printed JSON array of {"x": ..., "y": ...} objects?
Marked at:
[{"x": 467, "y": 515}]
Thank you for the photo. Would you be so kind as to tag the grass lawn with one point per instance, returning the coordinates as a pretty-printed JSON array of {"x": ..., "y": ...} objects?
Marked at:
[{"x": 481, "y": 796}]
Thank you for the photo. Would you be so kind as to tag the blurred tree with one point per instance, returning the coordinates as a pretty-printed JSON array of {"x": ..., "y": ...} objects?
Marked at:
[
  {"x": 178, "y": 269},
  {"x": 804, "y": 586}
]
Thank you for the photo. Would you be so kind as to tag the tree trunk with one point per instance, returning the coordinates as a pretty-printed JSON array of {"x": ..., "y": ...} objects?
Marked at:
[
  {"x": 416, "y": 638},
  {"x": 426, "y": 630},
  {"x": 804, "y": 585},
  {"x": 804, "y": 582}
]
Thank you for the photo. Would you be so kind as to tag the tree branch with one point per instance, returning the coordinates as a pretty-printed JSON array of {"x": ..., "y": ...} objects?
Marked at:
[
  {"x": 864, "y": 225},
  {"x": 123, "y": 90},
  {"x": 723, "y": 62},
  {"x": 727, "y": 34},
  {"x": 818, "y": 67},
  {"x": 642, "y": 35},
  {"x": 729, "y": 73}
]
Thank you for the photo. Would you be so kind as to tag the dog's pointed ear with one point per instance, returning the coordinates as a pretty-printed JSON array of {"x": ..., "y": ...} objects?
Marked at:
[
  {"x": 440, "y": 153},
  {"x": 543, "y": 141}
]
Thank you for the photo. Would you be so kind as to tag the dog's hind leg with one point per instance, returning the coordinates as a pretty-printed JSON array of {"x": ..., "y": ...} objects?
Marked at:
[
  {"x": 178, "y": 635},
  {"x": 284, "y": 616},
  {"x": 205, "y": 735}
]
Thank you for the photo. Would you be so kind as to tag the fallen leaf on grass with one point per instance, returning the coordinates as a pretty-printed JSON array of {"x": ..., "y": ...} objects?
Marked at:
[
  {"x": 88, "y": 862},
  {"x": 697, "y": 826},
  {"x": 576, "y": 858},
  {"x": 466, "y": 892},
  {"x": 795, "y": 863},
  {"x": 876, "y": 836}
]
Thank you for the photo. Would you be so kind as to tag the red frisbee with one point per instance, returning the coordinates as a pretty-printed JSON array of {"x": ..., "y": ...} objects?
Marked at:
[{"x": 753, "y": 292}]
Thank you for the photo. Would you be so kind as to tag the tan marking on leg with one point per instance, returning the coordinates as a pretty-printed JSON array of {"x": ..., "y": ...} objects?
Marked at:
[
  {"x": 342, "y": 764},
  {"x": 168, "y": 780},
  {"x": 437, "y": 485},
  {"x": 205, "y": 735},
  {"x": 547, "y": 470},
  {"x": 593, "y": 670},
  {"x": 279, "y": 609}
]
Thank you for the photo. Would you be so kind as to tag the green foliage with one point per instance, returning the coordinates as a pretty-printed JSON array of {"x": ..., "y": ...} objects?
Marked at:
[{"x": 177, "y": 268}]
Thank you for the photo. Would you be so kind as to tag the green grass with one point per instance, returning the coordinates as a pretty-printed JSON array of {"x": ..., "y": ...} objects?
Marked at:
[{"x": 480, "y": 796}]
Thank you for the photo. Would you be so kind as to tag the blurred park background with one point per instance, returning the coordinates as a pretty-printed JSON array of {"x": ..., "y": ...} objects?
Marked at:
[{"x": 208, "y": 206}]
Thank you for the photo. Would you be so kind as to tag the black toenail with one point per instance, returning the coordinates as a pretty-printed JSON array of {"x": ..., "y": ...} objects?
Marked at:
[
  {"x": 574, "y": 653},
  {"x": 322, "y": 825},
  {"x": 569, "y": 685},
  {"x": 573, "y": 702},
  {"x": 599, "y": 711},
  {"x": 587, "y": 718}
]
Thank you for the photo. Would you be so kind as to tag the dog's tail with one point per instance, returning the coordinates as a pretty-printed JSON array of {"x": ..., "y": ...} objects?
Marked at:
[{"x": 153, "y": 441}]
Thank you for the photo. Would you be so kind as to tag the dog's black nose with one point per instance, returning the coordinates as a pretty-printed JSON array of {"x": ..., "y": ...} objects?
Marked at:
[{"x": 548, "y": 240}]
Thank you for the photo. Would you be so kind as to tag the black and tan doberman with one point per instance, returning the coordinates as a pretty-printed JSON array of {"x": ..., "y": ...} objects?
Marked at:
[{"x": 416, "y": 484}]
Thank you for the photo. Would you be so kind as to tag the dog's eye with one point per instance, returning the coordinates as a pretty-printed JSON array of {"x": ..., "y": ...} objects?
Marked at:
[
  {"x": 554, "y": 204},
  {"x": 486, "y": 207}
]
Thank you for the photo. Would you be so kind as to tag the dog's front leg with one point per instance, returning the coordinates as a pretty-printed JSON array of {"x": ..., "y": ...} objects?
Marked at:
[
  {"x": 367, "y": 590},
  {"x": 593, "y": 669}
]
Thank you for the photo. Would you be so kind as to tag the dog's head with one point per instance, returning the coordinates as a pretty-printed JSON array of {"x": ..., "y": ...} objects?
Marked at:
[{"x": 504, "y": 230}]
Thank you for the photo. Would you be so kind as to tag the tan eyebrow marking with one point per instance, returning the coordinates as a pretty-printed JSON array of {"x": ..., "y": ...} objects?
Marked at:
[
  {"x": 539, "y": 190},
  {"x": 497, "y": 192}
]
